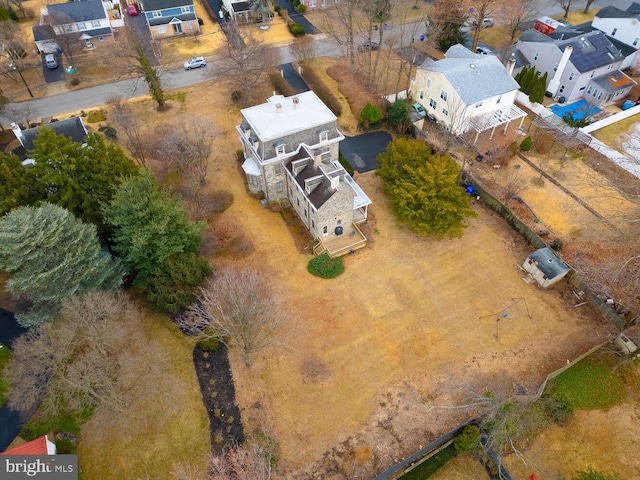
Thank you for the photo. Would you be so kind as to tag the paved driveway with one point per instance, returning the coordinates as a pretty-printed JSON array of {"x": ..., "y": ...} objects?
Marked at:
[
  {"x": 10, "y": 421},
  {"x": 55, "y": 74},
  {"x": 362, "y": 151}
]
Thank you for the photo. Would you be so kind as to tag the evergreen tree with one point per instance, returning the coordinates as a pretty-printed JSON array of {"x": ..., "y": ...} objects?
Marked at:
[
  {"x": 423, "y": 188},
  {"x": 76, "y": 177},
  {"x": 520, "y": 75},
  {"x": 52, "y": 256},
  {"x": 15, "y": 184},
  {"x": 148, "y": 226}
]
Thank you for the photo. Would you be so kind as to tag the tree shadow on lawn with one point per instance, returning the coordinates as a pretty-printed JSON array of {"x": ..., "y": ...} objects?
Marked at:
[{"x": 219, "y": 397}]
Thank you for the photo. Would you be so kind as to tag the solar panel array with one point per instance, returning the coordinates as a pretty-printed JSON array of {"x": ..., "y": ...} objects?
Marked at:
[{"x": 592, "y": 52}]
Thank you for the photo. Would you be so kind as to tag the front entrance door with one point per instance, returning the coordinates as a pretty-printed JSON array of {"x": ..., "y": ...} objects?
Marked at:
[{"x": 177, "y": 28}]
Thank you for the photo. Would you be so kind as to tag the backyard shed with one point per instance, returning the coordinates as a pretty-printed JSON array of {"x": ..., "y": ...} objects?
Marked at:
[{"x": 545, "y": 267}]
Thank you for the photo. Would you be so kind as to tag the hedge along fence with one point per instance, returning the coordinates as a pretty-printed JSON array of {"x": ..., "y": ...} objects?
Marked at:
[
  {"x": 322, "y": 90},
  {"x": 280, "y": 85},
  {"x": 536, "y": 242}
]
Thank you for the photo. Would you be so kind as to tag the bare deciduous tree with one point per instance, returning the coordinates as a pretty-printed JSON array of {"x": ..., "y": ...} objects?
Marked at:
[
  {"x": 68, "y": 41},
  {"x": 189, "y": 144},
  {"x": 480, "y": 9},
  {"x": 132, "y": 130},
  {"x": 72, "y": 365},
  {"x": 237, "y": 306},
  {"x": 253, "y": 460},
  {"x": 14, "y": 52},
  {"x": 304, "y": 49},
  {"x": 565, "y": 5},
  {"x": 340, "y": 23},
  {"x": 247, "y": 62},
  {"x": 514, "y": 183},
  {"x": 514, "y": 13}
]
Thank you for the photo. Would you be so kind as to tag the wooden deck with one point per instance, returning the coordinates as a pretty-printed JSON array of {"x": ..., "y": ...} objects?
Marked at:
[{"x": 338, "y": 245}]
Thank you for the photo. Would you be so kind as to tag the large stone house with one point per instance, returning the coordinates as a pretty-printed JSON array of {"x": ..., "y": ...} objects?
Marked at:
[{"x": 291, "y": 155}]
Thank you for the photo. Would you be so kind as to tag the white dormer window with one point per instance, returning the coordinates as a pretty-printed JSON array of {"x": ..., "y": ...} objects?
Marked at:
[
  {"x": 571, "y": 75},
  {"x": 185, "y": 9},
  {"x": 281, "y": 149},
  {"x": 95, "y": 24},
  {"x": 157, "y": 14},
  {"x": 324, "y": 135},
  {"x": 428, "y": 83},
  {"x": 478, "y": 105}
]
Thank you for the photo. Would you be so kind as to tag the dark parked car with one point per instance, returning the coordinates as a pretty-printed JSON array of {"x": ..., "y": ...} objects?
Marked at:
[{"x": 366, "y": 45}]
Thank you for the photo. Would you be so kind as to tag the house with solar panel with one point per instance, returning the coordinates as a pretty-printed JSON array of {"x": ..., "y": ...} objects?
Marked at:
[
  {"x": 623, "y": 29},
  {"x": 579, "y": 65},
  {"x": 291, "y": 147},
  {"x": 467, "y": 91}
]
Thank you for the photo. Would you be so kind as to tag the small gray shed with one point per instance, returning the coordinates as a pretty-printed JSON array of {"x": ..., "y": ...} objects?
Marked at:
[{"x": 545, "y": 267}]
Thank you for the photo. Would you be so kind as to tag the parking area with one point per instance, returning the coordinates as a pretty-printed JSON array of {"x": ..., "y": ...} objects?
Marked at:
[
  {"x": 56, "y": 74},
  {"x": 362, "y": 151}
]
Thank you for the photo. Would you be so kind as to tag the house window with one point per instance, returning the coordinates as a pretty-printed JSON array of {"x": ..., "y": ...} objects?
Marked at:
[
  {"x": 281, "y": 149},
  {"x": 432, "y": 103},
  {"x": 499, "y": 98},
  {"x": 186, "y": 9},
  {"x": 67, "y": 28},
  {"x": 555, "y": 68},
  {"x": 593, "y": 73},
  {"x": 306, "y": 213},
  {"x": 478, "y": 105},
  {"x": 582, "y": 88},
  {"x": 324, "y": 135},
  {"x": 635, "y": 42},
  {"x": 162, "y": 29},
  {"x": 610, "y": 67},
  {"x": 100, "y": 38},
  {"x": 589, "y": 90},
  {"x": 421, "y": 94},
  {"x": 571, "y": 75},
  {"x": 298, "y": 200},
  {"x": 445, "y": 111},
  {"x": 600, "y": 96},
  {"x": 156, "y": 13},
  {"x": 535, "y": 57},
  {"x": 82, "y": 26},
  {"x": 443, "y": 95},
  {"x": 277, "y": 170},
  {"x": 561, "y": 89},
  {"x": 279, "y": 186},
  {"x": 428, "y": 83},
  {"x": 325, "y": 230},
  {"x": 312, "y": 3},
  {"x": 188, "y": 25},
  {"x": 595, "y": 92},
  {"x": 613, "y": 32},
  {"x": 313, "y": 225},
  {"x": 95, "y": 24}
]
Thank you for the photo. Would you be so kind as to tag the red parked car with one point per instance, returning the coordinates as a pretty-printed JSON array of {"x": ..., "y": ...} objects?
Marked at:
[{"x": 132, "y": 10}]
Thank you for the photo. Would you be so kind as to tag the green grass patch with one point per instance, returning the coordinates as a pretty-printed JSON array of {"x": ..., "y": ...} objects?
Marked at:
[
  {"x": 5, "y": 358},
  {"x": 589, "y": 385},
  {"x": 431, "y": 465},
  {"x": 40, "y": 425},
  {"x": 324, "y": 266}
]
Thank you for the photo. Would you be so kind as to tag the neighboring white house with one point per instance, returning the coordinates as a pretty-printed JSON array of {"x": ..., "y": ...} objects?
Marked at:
[
  {"x": 578, "y": 64},
  {"x": 237, "y": 9},
  {"x": 88, "y": 19},
  {"x": 624, "y": 27},
  {"x": 545, "y": 267},
  {"x": 291, "y": 148},
  {"x": 312, "y": 4},
  {"x": 466, "y": 91}
]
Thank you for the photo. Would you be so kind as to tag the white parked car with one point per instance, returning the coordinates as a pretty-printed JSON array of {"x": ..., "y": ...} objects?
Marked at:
[{"x": 195, "y": 62}]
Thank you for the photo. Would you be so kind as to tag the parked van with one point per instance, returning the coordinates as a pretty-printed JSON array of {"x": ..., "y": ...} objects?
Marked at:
[{"x": 51, "y": 61}]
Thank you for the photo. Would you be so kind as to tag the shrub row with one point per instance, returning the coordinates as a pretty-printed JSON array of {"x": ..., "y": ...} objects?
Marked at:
[
  {"x": 351, "y": 88},
  {"x": 296, "y": 29},
  {"x": 280, "y": 85},
  {"x": 322, "y": 90}
]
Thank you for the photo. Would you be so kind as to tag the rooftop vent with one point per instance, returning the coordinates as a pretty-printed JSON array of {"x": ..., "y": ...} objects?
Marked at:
[{"x": 278, "y": 107}]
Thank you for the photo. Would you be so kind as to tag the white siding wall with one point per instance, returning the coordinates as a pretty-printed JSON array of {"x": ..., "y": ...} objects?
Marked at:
[{"x": 627, "y": 29}]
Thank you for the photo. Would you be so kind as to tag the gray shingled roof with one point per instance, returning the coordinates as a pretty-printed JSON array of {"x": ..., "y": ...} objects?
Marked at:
[
  {"x": 43, "y": 32},
  {"x": 82, "y": 11},
  {"x": 474, "y": 77},
  {"x": 150, "y": 5},
  {"x": 634, "y": 8},
  {"x": 548, "y": 263},
  {"x": 185, "y": 17},
  {"x": 614, "y": 12},
  {"x": 72, "y": 128}
]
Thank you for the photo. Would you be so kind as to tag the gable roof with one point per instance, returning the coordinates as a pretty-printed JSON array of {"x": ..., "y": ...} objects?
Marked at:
[
  {"x": 614, "y": 12},
  {"x": 183, "y": 17},
  {"x": 39, "y": 446},
  {"x": 149, "y": 5},
  {"x": 634, "y": 8},
  {"x": 72, "y": 128},
  {"x": 590, "y": 50},
  {"x": 281, "y": 116},
  {"x": 548, "y": 263},
  {"x": 80, "y": 11},
  {"x": 473, "y": 76}
]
